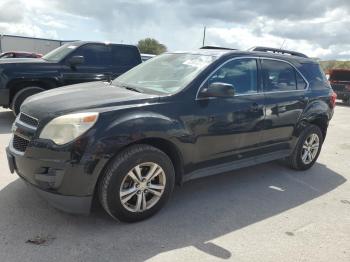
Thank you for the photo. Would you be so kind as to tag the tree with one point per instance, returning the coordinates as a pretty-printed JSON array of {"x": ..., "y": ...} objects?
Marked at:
[
  {"x": 332, "y": 64},
  {"x": 151, "y": 46}
]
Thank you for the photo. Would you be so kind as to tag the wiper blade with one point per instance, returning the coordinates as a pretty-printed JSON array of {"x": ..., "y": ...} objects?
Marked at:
[{"x": 131, "y": 88}]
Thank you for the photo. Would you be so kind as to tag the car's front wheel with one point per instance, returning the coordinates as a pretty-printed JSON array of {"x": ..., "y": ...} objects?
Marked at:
[
  {"x": 22, "y": 95},
  {"x": 137, "y": 183},
  {"x": 307, "y": 149}
]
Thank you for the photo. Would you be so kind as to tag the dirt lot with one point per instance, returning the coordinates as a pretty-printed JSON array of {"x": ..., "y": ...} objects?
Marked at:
[{"x": 262, "y": 213}]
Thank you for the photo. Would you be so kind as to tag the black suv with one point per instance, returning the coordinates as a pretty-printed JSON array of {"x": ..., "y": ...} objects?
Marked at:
[
  {"x": 177, "y": 117},
  {"x": 71, "y": 63}
]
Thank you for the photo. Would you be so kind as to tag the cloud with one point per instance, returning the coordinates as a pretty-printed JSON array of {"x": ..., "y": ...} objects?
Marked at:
[
  {"x": 317, "y": 27},
  {"x": 9, "y": 12}
]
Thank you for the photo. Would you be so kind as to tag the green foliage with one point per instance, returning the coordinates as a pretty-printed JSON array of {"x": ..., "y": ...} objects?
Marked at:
[
  {"x": 151, "y": 46},
  {"x": 327, "y": 65}
]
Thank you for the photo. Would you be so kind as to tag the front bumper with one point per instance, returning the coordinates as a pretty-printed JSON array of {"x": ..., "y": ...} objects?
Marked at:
[{"x": 57, "y": 181}]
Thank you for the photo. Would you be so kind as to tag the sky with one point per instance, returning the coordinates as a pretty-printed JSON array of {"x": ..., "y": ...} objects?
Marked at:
[{"x": 319, "y": 28}]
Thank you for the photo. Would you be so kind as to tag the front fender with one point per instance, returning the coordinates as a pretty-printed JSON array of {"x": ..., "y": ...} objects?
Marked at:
[
  {"x": 112, "y": 137},
  {"x": 135, "y": 126}
]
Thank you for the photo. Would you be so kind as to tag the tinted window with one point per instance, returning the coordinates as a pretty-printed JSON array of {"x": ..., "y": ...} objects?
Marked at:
[
  {"x": 242, "y": 74},
  {"x": 125, "y": 56},
  {"x": 278, "y": 76},
  {"x": 94, "y": 54},
  {"x": 315, "y": 75}
]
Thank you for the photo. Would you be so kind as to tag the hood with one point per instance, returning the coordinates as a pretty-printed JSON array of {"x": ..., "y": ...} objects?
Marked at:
[
  {"x": 22, "y": 61},
  {"x": 79, "y": 97}
]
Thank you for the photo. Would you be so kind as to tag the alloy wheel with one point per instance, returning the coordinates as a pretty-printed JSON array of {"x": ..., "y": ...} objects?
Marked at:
[
  {"x": 310, "y": 148},
  {"x": 142, "y": 187}
]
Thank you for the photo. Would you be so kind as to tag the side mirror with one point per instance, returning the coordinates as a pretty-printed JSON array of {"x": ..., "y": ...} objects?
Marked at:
[
  {"x": 76, "y": 60},
  {"x": 218, "y": 89}
]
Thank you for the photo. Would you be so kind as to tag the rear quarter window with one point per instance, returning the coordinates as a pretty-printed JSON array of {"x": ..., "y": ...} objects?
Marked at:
[
  {"x": 315, "y": 75},
  {"x": 125, "y": 56}
]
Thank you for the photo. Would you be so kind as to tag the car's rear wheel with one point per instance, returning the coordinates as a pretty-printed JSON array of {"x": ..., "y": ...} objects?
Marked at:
[
  {"x": 22, "y": 95},
  {"x": 307, "y": 149},
  {"x": 137, "y": 183}
]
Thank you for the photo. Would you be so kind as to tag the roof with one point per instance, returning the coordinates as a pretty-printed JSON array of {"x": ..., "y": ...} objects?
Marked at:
[
  {"x": 97, "y": 42},
  {"x": 231, "y": 53}
]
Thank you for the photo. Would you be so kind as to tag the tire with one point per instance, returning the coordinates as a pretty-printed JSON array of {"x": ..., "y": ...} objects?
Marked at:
[
  {"x": 117, "y": 178},
  {"x": 296, "y": 160},
  {"x": 22, "y": 95}
]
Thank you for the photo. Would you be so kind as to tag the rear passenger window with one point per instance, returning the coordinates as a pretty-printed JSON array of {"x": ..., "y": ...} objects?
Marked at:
[
  {"x": 125, "y": 56},
  {"x": 278, "y": 76}
]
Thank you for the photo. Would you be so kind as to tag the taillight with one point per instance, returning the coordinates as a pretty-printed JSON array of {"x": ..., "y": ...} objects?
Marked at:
[{"x": 333, "y": 99}]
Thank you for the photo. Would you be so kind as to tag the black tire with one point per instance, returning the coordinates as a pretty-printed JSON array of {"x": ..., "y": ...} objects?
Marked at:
[
  {"x": 295, "y": 160},
  {"x": 118, "y": 169},
  {"x": 22, "y": 95}
]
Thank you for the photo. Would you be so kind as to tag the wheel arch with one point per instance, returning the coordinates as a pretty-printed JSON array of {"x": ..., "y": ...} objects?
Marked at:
[
  {"x": 320, "y": 120},
  {"x": 170, "y": 149},
  {"x": 17, "y": 85}
]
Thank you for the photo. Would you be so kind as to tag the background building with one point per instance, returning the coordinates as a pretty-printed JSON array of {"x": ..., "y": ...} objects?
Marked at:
[{"x": 28, "y": 44}]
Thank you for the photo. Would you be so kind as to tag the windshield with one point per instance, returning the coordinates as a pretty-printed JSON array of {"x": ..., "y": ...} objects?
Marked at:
[
  {"x": 165, "y": 74},
  {"x": 59, "y": 53}
]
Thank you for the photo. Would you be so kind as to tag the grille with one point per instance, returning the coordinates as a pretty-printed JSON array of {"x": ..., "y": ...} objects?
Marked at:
[
  {"x": 19, "y": 143},
  {"x": 28, "y": 120}
]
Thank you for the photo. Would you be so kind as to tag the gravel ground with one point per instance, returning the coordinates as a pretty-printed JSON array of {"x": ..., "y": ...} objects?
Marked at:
[{"x": 262, "y": 213}]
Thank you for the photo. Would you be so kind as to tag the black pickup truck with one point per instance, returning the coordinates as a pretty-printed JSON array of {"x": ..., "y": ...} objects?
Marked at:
[{"x": 71, "y": 63}]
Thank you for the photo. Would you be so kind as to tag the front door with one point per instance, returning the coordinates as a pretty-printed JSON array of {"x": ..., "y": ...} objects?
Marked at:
[
  {"x": 96, "y": 66},
  {"x": 229, "y": 128}
]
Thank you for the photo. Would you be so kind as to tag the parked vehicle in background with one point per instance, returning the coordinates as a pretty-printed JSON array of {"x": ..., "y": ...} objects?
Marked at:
[
  {"x": 340, "y": 82},
  {"x": 146, "y": 57},
  {"x": 177, "y": 117},
  {"x": 16, "y": 54},
  {"x": 69, "y": 64}
]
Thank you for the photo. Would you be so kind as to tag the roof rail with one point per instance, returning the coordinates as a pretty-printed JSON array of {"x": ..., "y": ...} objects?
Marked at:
[
  {"x": 277, "y": 51},
  {"x": 216, "y": 47}
]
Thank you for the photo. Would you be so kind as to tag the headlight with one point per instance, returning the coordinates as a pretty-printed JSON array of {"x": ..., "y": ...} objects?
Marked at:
[{"x": 66, "y": 128}]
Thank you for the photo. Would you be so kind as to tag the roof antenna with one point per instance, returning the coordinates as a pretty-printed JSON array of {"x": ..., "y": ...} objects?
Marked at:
[
  {"x": 284, "y": 41},
  {"x": 204, "y": 31}
]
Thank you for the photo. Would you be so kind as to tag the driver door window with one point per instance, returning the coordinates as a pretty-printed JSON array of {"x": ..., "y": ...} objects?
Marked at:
[
  {"x": 95, "y": 55},
  {"x": 241, "y": 73}
]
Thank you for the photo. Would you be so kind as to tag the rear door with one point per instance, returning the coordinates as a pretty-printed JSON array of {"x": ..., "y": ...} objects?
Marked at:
[
  {"x": 285, "y": 91},
  {"x": 96, "y": 66},
  {"x": 123, "y": 58}
]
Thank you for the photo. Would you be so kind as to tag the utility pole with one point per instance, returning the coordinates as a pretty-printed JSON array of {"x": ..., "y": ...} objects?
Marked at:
[{"x": 205, "y": 28}]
